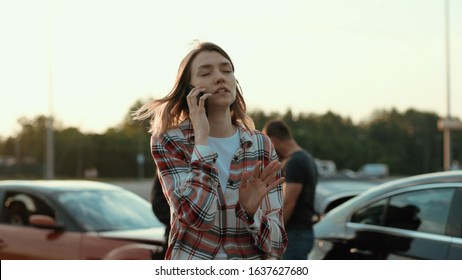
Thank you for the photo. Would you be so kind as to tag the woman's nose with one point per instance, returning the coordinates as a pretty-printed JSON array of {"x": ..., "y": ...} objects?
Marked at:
[{"x": 220, "y": 78}]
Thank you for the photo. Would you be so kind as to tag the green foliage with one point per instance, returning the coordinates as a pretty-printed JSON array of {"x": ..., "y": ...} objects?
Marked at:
[{"x": 408, "y": 142}]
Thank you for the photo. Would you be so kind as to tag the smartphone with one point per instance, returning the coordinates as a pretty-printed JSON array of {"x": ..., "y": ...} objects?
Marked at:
[{"x": 199, "y": 96}]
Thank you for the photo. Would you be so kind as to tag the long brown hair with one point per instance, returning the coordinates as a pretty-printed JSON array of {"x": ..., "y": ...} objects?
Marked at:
[{"x": 170, "y": 111}]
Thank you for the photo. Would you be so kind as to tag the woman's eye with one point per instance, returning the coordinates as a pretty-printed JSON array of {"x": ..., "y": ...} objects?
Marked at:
[{"x": 205, "y": 74}]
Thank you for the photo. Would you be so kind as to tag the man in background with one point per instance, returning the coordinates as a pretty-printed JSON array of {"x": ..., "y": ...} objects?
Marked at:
[{"x": 301, "y": 177}]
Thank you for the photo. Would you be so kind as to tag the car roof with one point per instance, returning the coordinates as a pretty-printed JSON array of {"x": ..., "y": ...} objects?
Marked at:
[
  {"x": 58, "y": 185},
  {"x": 329, "y": 186},
  {"x": 397, "y": 184},
  {"x": 430, "y": 178}
]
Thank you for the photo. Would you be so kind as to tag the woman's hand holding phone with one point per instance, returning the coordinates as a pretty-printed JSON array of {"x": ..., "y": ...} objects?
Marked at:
[{"x": 196, "y": 99}]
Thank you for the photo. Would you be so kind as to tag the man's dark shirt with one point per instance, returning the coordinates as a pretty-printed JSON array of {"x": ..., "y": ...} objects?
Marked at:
[{"x": 300, "y": 167}]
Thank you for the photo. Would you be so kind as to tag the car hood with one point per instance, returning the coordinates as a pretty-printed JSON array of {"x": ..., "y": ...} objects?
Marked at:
[
  {"x": 147, "y": 235},
  {"x": 331, "y": 190}
]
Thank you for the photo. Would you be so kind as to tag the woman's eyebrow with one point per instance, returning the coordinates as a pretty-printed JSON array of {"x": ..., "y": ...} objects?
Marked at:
[
  {"x": 208, "y": 66},
  {"x": 204, "y": 67}
]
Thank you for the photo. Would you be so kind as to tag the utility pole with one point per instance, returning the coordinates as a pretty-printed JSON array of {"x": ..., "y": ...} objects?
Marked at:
[
  {"x": 441, "y": 124},
  {"x": 447, "y": 124},
  {"x": 50, "y": 153}
]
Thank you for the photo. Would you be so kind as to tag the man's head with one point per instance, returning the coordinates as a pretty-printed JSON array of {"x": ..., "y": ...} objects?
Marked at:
[
  {"x": 280, "y": 135},
  {"x": 277, "y": 129}
]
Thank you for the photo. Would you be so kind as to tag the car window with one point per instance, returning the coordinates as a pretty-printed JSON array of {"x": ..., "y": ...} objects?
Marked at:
[
  {"x": 424, "y": 211},
  {"x": 372, "y": 214},
  {"x": 109, "y": 210},
  {"x": 17, "y": 207}
]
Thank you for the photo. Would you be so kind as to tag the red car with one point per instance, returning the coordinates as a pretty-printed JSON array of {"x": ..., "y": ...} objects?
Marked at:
[{"x": 75, "y": 220}]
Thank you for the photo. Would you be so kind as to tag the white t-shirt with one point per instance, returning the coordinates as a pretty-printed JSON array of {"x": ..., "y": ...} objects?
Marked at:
[{"x": 225, "y": 148}]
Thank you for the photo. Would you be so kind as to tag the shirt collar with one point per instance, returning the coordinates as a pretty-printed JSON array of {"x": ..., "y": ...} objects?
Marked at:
[{"x": 245, "y": 134}]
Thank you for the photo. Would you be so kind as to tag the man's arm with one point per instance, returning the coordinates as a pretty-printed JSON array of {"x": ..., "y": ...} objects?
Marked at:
[{"x": 291, "y": 192}]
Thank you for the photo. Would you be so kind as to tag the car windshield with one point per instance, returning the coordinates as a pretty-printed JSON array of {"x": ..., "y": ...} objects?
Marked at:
[{"x": 109, "y": 210}]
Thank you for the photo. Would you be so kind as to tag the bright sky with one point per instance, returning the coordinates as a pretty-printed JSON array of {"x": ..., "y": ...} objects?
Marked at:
[{"x": 347, "y": 56}]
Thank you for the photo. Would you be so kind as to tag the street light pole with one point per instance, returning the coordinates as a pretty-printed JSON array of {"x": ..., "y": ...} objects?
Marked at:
[
  {"x": 446, "y": 130},
  {"x": 448, "y": 62},
  {"x": 50, "y": 153}
]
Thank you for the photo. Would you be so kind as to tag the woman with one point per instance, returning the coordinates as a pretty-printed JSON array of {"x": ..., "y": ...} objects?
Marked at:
[{"x": 220, "y": 176}]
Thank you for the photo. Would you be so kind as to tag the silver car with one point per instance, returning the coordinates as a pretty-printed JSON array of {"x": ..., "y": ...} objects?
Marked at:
[{"x": 418, "y": 217}]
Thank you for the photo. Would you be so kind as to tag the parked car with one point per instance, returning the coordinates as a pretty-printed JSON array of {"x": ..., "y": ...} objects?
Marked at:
[
  {"x": 373, "y": 170},
  {"x": 418, "y": 217},
  {"x": 326, "y": 168},
  {"x": 76, "y": 220}
]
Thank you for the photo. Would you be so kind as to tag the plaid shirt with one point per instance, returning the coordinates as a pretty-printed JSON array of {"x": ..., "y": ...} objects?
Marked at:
[{"x": 203, "y": 218}]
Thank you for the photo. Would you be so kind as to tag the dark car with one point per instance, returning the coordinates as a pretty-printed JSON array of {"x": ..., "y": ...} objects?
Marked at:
[
  {"x": 76, "y": 220},
  {"x": 418, "y": 217}
]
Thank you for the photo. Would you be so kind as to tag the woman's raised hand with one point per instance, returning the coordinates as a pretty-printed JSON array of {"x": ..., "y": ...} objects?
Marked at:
[{"x": 255, "y": 185}]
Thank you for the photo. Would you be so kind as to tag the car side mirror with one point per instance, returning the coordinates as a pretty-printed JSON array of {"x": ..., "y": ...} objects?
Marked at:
[{"x": 44, "y": 222}]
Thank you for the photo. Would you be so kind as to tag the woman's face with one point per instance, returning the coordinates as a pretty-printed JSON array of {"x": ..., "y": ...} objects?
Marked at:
[{"x": 212, "y": 71}]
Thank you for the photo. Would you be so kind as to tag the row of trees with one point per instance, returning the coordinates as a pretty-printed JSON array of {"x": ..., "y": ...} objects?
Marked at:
[{"x": 409, "y": 142}]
